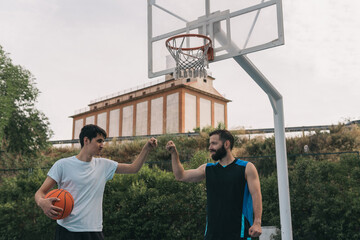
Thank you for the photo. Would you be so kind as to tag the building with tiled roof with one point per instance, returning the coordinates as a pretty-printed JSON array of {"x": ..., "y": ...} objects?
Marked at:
[{"x": 170, "y": 106}]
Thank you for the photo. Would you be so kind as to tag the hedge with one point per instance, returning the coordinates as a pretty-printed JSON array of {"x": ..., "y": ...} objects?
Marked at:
[{"x": 152, "y": 205}]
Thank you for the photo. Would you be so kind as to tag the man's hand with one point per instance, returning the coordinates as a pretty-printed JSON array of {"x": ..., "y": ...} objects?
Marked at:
[
  {"x": 152, "y": 143},
  {"x": 255, "y": 230},
  {"x": 170, "y": 146},
  {"x": 49, "y": 209}
]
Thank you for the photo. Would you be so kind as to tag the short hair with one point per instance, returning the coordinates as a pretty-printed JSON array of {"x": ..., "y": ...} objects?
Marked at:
[
  {"x": 90, "y": 131},
  {"x": 224, "y": 135}
]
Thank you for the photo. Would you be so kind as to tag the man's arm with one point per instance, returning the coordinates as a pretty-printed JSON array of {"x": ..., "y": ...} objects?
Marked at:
[
  {"x": 135, "y": 166},
  {"x": 192, "y": 175},
  {"x": 47, "y": 204},
  {"x": 252, "y": 178}
]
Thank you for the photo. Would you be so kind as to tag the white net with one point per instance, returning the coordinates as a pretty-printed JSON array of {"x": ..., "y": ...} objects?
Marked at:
[{"x": 190, "y": 61}]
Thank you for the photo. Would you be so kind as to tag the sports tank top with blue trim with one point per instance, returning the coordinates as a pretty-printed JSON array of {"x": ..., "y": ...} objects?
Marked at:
[{"x": 229, "y": 203}]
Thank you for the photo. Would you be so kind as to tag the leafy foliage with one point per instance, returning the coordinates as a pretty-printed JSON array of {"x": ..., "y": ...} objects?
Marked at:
[
  {"x": 152, "y": 205},
  {"x": 324, "y": 199},
  {"x": 324, "y": 192},
  {"x": 327, "y": 195},
  {"x": 23, "y": 129},
  {"x": 20, "y": 218}
]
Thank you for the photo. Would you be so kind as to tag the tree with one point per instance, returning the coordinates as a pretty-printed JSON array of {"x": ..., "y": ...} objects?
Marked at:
[{"x": 23, "y": 129}]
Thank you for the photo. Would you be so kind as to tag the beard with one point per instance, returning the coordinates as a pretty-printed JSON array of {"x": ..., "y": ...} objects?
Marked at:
[{"x": 219, "y": 154}]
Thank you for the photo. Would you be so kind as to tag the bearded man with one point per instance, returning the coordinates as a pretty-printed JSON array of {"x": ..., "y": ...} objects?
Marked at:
[{"x": 234, "y": 203}]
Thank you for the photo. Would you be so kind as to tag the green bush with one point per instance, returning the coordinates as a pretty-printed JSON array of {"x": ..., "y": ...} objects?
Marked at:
[
  {"x": 152, "y": 205},
  {"x": 324, "y": 192},
  {"x": 20, "y": 218},
  {"x": 124, "y": 151},
  {"x": 324, "y": 199},
  {"x": 197, "y": 160}
]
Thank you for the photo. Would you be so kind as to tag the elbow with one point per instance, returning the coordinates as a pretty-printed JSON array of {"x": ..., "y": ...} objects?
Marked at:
[
  {"x": 36, "y": 194},
  {"x": 179, "y": 178},
  {"x": 134, "y": 169}
]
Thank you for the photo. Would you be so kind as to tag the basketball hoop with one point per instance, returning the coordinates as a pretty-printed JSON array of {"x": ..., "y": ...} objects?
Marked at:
[{"x": 190, "y": 61}]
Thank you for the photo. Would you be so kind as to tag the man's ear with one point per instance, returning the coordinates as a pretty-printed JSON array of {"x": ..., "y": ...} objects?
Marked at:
[
  {"x": 227, "y": 144},
  {"x": 86, "y": 141}
]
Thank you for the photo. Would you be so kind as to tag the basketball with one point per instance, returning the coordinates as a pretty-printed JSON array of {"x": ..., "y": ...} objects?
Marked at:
[{"x": 66, "y": 201}]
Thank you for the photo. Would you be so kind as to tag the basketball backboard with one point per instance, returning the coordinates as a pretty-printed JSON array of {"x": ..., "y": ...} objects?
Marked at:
[{"x": 236, "y": 27}]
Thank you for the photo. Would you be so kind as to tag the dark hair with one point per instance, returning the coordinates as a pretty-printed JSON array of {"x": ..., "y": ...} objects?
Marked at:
[
  {"x": 90, "y": 131},
  {"x": 224, "y": 135}
]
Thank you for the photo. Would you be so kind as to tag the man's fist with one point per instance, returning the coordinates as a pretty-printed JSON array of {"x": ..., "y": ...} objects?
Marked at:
[
  {"x": 152, "y": 143},
  {"x": 170, "y": 146}
]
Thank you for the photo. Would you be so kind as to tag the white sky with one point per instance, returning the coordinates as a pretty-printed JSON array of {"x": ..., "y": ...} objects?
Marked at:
[{"x": 82, "y": 50}]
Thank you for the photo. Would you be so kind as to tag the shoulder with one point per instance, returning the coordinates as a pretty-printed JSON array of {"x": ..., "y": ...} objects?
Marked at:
[
  {"x": 211, "y": 164},
  {"x": 246, "y": 166},
  {"x": 242, "y": 163},
  {"x": 250, "y": 171},
  {"x": 104, "y": 161},
  {"x": 202, "y": 167},
  {"x": 63, "y": 161}
]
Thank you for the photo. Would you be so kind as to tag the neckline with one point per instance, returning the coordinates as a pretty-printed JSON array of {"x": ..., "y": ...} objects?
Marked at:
[
  {"x": 225, "y": 166},
  {"x": 84, "y": 162}
]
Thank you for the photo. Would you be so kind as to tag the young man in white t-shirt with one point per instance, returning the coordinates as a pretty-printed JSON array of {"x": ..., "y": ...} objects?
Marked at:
[{"x": 85, "y": 176}]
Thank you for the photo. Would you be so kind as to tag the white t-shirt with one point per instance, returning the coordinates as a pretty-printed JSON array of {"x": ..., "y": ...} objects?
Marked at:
[{"x": 86, "y": 183}]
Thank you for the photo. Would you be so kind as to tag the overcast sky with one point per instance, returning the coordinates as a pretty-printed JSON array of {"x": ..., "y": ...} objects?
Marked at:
[{"x": 82, "y": 50}]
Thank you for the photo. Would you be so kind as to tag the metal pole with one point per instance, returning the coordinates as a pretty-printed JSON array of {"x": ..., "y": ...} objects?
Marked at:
[
  {"x": 150, "y": 35},
  {"x": 282, "y": 171},
  {"x": 279, "y": 129},
  {"x": 280, "y": 144},
  {"x": 207, "y": 8}
]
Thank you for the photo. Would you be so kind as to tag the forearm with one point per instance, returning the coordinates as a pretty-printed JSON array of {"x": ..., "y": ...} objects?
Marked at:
[
  {"x": 141, "y": 158},
  {"x": 38, "y": 196},
  {"x": 177, "y": 167},
  {"x": 255, "y": 230},
  {"x": 48, "y": 184},
  {"x": 257, "y": 206}
]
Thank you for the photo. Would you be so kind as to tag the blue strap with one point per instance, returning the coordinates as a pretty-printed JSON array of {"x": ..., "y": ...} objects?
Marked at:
[{"x": 242, "y": 226}]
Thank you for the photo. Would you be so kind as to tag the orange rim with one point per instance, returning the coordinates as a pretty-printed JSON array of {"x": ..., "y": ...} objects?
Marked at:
[{"x": 188, "y": 35}]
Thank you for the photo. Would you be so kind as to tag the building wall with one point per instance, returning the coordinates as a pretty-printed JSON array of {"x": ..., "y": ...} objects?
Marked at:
[
  {"x": 78, "y": 124},
  {"x": 127, "y": 121},
  {"x": 141, "y": 118},
  {"x": 114, "y": 123},
  {"x": 172, "y": 113},
  {"x": 102, "y": 120},
  {"x": 205, "y": 113},
  {"x": 90, "y": 120},
  {"x": 190, "y": 112},
  {"x": 157, "y": 111},
  {"x": 175, "y": 111},
  {"x": 219, "y": 114}
]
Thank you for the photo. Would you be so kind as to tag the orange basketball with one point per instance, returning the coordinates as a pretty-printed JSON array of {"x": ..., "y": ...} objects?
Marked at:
[{"x": 66, "y": 201}]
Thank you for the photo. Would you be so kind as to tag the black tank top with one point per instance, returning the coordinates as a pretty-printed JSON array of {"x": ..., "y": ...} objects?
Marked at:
[{"x": 229, "y": 203}]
